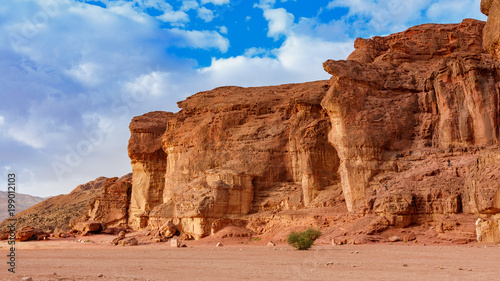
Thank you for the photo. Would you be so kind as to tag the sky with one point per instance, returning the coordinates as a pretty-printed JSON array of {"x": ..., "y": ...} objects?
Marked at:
[{"x": 74, "y": 73}]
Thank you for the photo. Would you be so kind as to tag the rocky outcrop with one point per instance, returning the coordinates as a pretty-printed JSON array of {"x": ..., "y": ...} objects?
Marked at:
[
  {"x": 482, "y": 185},
  {"x": 406, "y": 132},
  {"x": 148, "y": 165},
  {"x": 111, "y": 207},
  {"x": 488, "y": 231},
  {"x": 60, "y": 212},
  {"x": 491, "y": 33},
  {"x": 224, "y": 150},
  {"x": 407, "y": 97}
]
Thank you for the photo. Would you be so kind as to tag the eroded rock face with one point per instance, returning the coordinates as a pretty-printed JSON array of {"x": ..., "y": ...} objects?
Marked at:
[
  {"x": 148, "y": 164},
  {"x": 406, "y": 132},
  {"x": 482, "y": 186},
  {"x": 226, "y": 149},
  {"x": 431, "y": 88},
  {"x": 488, "y": 231},
  {"x": 111, "y": 207},
  {"x": 491, "y": 33}
]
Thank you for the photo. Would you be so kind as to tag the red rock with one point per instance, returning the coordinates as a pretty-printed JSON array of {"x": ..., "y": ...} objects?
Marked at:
[
  {"x": 4, "y": 235},
  {"x": 491, "y": 33},
  {"x": 407, "y": 97},
  {"x": 226, "y": 148},
  {"x": 25, "y": 234},
  {"x": 111, "y": 207},
  {"x": 88, "y": 227}
]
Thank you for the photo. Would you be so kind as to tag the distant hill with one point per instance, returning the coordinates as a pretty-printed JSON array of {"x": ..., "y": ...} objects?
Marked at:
[
  {"x": 57, "y": 211},
  {"x": 23, "y": 202}
]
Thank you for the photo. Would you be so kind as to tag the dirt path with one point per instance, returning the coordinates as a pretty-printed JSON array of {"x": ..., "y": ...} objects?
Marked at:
[{"x": 64, "y": 260}]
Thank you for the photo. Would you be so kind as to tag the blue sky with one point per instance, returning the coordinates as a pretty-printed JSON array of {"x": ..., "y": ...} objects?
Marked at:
[{"x": 74, "y": 73}]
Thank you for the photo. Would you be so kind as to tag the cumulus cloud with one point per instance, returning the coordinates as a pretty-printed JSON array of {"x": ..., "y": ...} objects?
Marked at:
[
  {"x": 200, "y": 39},
  {"x": 377, "y": 17},
  {"x": 205, "y": 14},
  {"x": 189, "y": 5},
  {"x": 174, "y": 17},
  {"x": 454, "y": 11},
  {"x": 280, "y": 22},
  {"x": 215, "y": 2},
  {"x": 299, "y": 59},
  {"x": 223, "y": 29}
]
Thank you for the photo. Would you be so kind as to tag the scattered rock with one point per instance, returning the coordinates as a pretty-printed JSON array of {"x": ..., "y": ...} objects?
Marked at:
[
  {"x": 25, "y": 233},
  {"x": 219, "y": 245},
  {"x": 27, "y": 279},
  {"x": 271, "y": 244},
  {"x": 131, "y": 241},
  {"x": 88, "y": 227},
  {"x": 108, "y": 230},
  {"x": 174, "y": 243},
  {"x": 120, "y": 237},
  {"x": 4, "y": 235},
  {"x": 168, "y": 229},
  {"x": 395, "y": 239}
]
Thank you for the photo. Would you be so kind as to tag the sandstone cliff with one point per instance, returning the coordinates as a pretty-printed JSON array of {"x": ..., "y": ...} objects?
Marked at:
[
  {"x": 405, "y": 132},
  {"x": 226, "y": 151}
]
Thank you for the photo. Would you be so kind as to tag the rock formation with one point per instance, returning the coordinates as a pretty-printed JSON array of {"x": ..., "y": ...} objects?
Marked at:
[
  {"x": 226, "y": 151},
  {"x": 407, "y": 128},
  {"x": 491, "y": 33},
  {"x": 404, "y": 135},
  {"x": 428, "y": 88},
  {"x": 111, "y": 207}
]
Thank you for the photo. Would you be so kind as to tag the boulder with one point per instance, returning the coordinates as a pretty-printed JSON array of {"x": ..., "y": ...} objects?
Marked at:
[
  {"x": 25, "y": 234},
  {"x": 488, "y": 230},
  {"x": 131, "y": 241},
  {"x": 88, "y": 227},
  {"x": 168, "y": 230},
  {"x": 175, "y": 243}
]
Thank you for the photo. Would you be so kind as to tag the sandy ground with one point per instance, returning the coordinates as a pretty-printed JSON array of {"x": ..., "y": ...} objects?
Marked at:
[{"x": 65, "y": 259}]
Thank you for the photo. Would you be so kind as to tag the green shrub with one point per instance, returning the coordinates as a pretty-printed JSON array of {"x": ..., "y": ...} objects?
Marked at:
[{"x": 303, "y": 240}]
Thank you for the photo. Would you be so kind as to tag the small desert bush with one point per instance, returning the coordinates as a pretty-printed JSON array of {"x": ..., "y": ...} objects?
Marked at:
[{"x": 303, "y": 240}]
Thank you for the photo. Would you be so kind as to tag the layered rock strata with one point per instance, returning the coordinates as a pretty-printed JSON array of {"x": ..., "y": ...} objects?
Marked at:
[
  {"x": 225, "y": 150},
  {"x": 406, "y": 129},
  {"x": 491, "y": 33},
  {"x": 111, "y": 207}
]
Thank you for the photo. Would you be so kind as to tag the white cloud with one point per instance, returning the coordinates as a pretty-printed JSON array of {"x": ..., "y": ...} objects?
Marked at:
[
  {"x": 189, "y": 5},
  {"x": 205, "y": 14},
  {"x": 174, "y": 17},
  {"x": 215, "y": 2},
  {"x": 27, "y": 137},
  {"x": 2, "y": 120},
  {"x": 280, "y": 22},
  {"x": 453, "y": 11},
  {"x": 222, "y": 29},
  {"x": 299, "y": 59},
  {"x": 126, "y": 10},
  {"x": 265, "y": 4},
  {"x": 201, "y": 39},
  {"x": 88, "y": 74},
  {"x": 252, "y": 52},
  {"x": 375, "y": 17}
]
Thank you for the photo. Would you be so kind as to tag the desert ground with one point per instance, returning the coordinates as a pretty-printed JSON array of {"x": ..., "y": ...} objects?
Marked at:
[{"x": 92, "y": 258}]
